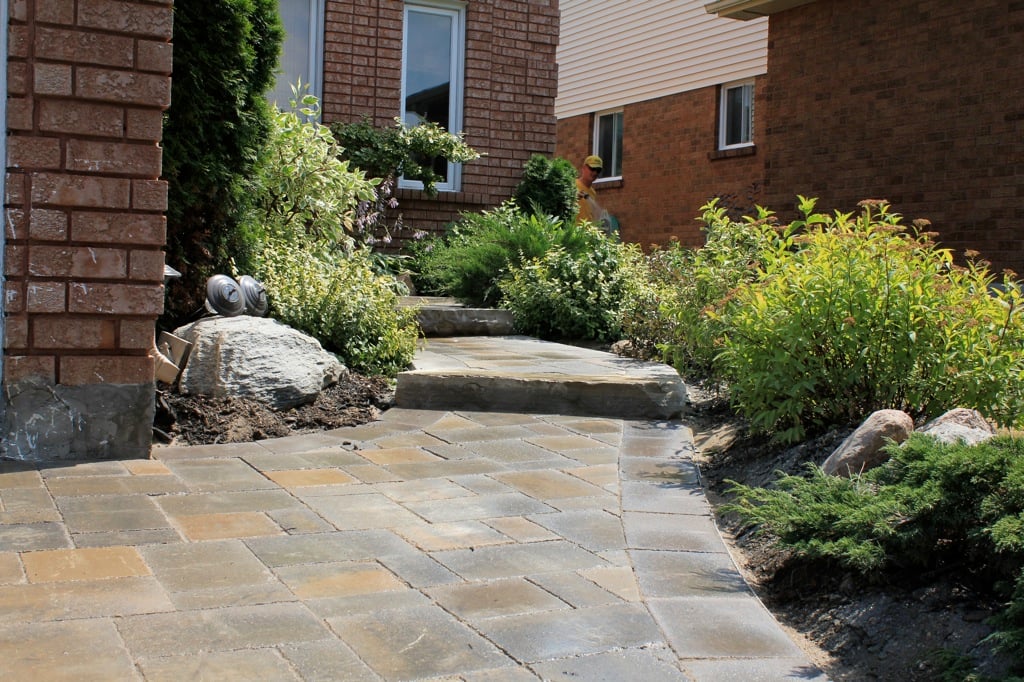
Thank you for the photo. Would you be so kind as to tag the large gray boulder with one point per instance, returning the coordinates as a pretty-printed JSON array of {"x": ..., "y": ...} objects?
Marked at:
[
  {"x": 960, "y": 424},
  {"x": 863, "y": 449},
  {"x": 255, "y": 357}
]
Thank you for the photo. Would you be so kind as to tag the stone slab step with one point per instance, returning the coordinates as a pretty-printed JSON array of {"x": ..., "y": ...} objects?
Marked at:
[
  {"x": 449, "y": 317},
  {"x": 522, "y": 374}
]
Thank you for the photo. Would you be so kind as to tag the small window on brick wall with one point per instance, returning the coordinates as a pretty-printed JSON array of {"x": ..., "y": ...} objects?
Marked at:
[
  {"x": 608, "y": 142},
  {"x": 736, "y": 115}
]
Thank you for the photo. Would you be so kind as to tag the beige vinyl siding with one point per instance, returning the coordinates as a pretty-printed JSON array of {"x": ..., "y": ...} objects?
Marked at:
[{"x": 616, "y": 52}]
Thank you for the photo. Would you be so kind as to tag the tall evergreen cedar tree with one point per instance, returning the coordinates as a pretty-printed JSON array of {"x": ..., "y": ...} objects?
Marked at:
[{"x": 225, "y": 59}]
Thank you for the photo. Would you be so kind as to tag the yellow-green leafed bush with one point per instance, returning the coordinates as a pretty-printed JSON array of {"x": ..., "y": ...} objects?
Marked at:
[
  {"x": 861, "y": 315},
  {"x": 343, "y": 303}
]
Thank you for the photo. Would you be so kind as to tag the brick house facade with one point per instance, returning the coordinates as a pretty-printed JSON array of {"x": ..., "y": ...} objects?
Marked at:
[
  {"x": 508, "y": 91},
  {"x": 673, "y": 166},
  {"x": 919, "y": 103},
  {"x": 83, "y": 262}
]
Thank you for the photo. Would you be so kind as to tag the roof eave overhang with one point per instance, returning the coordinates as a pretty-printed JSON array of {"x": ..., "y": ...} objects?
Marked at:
[{"x": 751, "y": 9}]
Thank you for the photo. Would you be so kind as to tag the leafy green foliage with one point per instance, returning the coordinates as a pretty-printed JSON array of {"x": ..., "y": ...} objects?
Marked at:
[
  {"x": 342, "y": 302},
  {"x": 225, "y": 56},
  {"x": 548, "y": 187},
  {"x": 855, "y": 315},
  {"x": 302, "y": 191},
  {"x": 401, "y": 151},
  {"x": 931, "y": 505},
  {"x": 300, "y": 246},
  {"x": 480, "y": 249},
  {"x": 669, "y": 314},
  {"x": 573, "y": 294}
]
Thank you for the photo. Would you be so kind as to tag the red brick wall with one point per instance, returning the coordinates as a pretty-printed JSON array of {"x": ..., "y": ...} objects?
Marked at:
[
  {"x": 87, "y": 84},
  {"x": 919, "y": 103},
  {"x": 670, "y": 165},
  {"x": 511, "y": 82}
]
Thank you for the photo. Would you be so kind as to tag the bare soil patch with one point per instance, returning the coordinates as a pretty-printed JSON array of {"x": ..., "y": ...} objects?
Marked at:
[
  {"x": 200, "y": 420},
  {"x": 852, "y": 629}
]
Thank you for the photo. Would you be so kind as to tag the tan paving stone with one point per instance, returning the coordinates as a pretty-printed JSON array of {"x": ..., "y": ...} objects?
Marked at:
[
  {"x": 326, "y": 661},
  {"x": 63, "y": 651},
  {"x": 25, "y": 537},
  {"x": 619, "y": 580},
  {"x": 546, "y": 484},
  {"x": 432, "y": 537},
  {"x": 27, "y": 505},
  {"x": 258, "y": 665},
  {"x": 71, "y": 486},
  {"x": 371, "y": 473},
  {"x": 415, "y": 439},
  {"x": 211, "y": 574},
  {"x": 473, "y": 601},
  {"x": 520, "y": 529},
  {"x": 227, "y": 525},
  {"x": 217, "y": 503},
  {"x": 478, "y": 507},
  {"x": 317, "y": 581},
  {"x": 650, "y": 664},
  {"x": 387, "y": 456},
  {"x": 211, "y": 475},
  {"x": 309, "y": 477},
  {"x": 604, "y": 475},
  {"x": 659, "y": 470},
  {"x": 296, "y": 521},
  {"x": 10, "y": 569},
  {"x": 353, "y": 545},
  {"x": 224, "y": 629},
  {"x": 565, "y": 443},
  {"x": 542, "y": 636},
  {"x": 417, "y": 643},
  {"x": 110, "y": 538},
  {"x": 361, "y": 512},
  {"x": 17, "y": 476},
  {"x": 90, "y": 468},
  {"x": 146, "y": 467},
  {"x": 590, "y": 528},
  {"x": 723, "y": 627},
  {"x": 37, "y": 602},
  {"x": 98, "y": 563},
  {"x": 111, "y": 513},
  {"x": 598, "y": 455},
  {"x": 572, "y": 588},
  {"x": 506, "y": 561},
  {"x": 424, "y": 489}
]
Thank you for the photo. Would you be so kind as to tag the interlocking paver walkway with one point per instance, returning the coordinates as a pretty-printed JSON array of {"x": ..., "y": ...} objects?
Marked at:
[{"x": 428, "y": 545}]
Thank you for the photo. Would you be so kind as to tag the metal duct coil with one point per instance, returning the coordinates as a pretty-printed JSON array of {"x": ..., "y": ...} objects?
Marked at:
[
  {"x": 224, "y": 296},
  {"x": 255, "y": 296}
]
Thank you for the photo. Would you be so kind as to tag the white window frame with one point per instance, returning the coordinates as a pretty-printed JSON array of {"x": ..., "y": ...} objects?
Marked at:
[
  {"x": 615, "y": 161},
  {"x": 312, "y": 40},
  {"x": 724, "y": 111},
  {"x": 457, "y": 12}
]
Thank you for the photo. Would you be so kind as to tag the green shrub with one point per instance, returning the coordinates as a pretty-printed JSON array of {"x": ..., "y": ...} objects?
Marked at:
[
  {"x": 302, "y": 191},
  {"x": 342, "y": 302},
  {"x": 480, "y": 250},
  {"x": 932, "y": 505},
  {"x": 669, "y": 315},
  {"x": 401, "y": 151},
  {"x": 858, "y": 316},
  {"x": 548, "y": 187},
  {"x": 573, "y": 294},
  {"x": 225, "y": 58}
]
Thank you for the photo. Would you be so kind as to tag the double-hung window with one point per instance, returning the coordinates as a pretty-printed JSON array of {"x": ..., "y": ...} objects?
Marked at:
[
  {"x": 433, "y": 47},
  {"x": 736, "y": 115},
  {"x": 302, "y": 53},
  {"x": 608, "y": 142}
]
